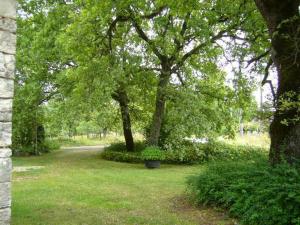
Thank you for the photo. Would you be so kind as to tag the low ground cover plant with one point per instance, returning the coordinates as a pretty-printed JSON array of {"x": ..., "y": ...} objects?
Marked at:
[{"x": 253, "y": 192}]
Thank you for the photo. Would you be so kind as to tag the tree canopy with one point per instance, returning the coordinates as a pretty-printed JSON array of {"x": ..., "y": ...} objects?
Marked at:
[{"x": 146, "y": 65}]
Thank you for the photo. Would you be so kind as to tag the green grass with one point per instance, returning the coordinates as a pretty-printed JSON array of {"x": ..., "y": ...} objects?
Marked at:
[
  {"x": 92, "y": 141},
  {"x": 78, "y": 187},
  {"x": 259, "y": 140}
]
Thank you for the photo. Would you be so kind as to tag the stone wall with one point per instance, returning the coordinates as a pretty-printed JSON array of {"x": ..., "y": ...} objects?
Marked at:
[{"x": 7, "y": 67}]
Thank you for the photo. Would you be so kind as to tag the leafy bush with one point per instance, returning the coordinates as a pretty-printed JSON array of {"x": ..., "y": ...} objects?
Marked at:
[
  {"x": 117, "y": 152},
  {"x": 152, "y": 153},
  {"x": 51, "y": 145},
  {"x": 121, "y": 156},
  {"x": 43, "y": 147},
  {"x": 188, "y": 152},
  {"x": 255, "y": 193},
  {"x": 121, "y": 147}
]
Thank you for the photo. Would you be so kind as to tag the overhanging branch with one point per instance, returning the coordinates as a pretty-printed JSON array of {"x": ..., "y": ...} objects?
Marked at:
[
  {"x": 144, "y": 36},
  {"x": 259, "y": 57},
  {"x": 196, "y": 50}
]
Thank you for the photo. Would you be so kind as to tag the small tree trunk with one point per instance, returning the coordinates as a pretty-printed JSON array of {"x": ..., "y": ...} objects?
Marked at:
[
  {"x": 160, "y": 105},
  {"x": 121, "y": 96},
  {"x": 105, "y": 132},
  {"x": 282, "y": 19}
]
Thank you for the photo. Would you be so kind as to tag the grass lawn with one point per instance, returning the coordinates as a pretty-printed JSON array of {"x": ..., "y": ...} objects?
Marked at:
[
  {"x": 258, "y": 140},
  {"x": 78, "y": 187},
  {"x": 85, "y": 141}
]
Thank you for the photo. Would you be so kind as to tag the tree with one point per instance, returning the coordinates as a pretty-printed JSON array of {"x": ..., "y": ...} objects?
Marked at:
[
  {"x": 150, "y": 58},
  {"x": 38, "y": 63},
  {"x": 173, "y": 34},
  {"x": 283, "y": 22},
  {"x": 121, "y": 97}
]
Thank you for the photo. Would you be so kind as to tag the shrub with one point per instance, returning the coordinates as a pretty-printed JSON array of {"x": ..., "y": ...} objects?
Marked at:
[
  {"x": 255, "y": 193},
  {"x": 187, "y": 152},
  {"x": 223, "y": 151},
  {"x": 121, "y": 147},
  {"x": 121, "y": 156},
  {"x": 117, "y": 152},
  {"x": 44, "y": 147},
  {"x": 152, "y": 153},
  {"x": 51, "y": 145}
]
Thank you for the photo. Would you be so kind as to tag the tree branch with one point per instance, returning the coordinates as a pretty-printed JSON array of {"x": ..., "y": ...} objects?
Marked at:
[
  {"x": 144, "y": 36},
  {"x": 270, "y": 63},
  {"x": 155, "y": 13},
  {"x": 259, "y": 57},
  {"x": 265, "y": 80},
  {"x": 149, "y": 69},
  {"x": 180, "y": 78},
  {"x": 196, "y": 49},
  {"x": 272, "y": 90},
  {"x": 112, "y": 27},
  {"x": 184, "y": 27}
]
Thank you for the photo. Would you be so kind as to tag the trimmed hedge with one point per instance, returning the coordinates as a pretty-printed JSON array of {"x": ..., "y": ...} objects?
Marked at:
[
  {"x": 121, "y": 156},
  {"x": 187, "y": 153},
  {"x": 255, "y": 193},
  {"x": 117, "y": 152}
]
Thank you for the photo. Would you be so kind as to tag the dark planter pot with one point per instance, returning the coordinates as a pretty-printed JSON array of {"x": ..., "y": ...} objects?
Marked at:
[{"x": 152, "y": 164}]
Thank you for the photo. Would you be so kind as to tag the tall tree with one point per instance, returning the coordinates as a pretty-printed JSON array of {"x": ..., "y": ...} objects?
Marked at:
[
  {"x": 38, "y": 63},
  {"x": 174, "y": 33},
  {"x": 121, "y": 96},
  {"x": 283, "y": 22},
  {"x": 105, "y": 61}
]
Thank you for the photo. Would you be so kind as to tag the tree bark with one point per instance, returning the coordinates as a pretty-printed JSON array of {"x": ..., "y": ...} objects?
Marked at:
[
  {"x": 160, "y": 105},
  {"x": 282, "y": 19},
  {"x": 122, "y": 98}
]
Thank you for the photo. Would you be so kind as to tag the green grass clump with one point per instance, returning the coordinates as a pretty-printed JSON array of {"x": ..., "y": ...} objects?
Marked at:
[{"x": 254, "y": 192}]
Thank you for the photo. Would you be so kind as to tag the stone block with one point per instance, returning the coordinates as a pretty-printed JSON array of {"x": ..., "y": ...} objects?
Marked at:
[
  {"x": 5, "y": 216},
  {"x": 7, "y": 42},
  {"x": 5, "y": 134},
  {"x": 6, "y": 105},
  {"x": 5, "y": 153},
  {"x": 5, "y": 170},
  {"x": 5, "y": 110},
  {"x": 8, "y": 24},
  {"x": 8, "y": 8},
  {"x": 7, "y": 65},
  {"x": 5, "y": 199},
  {"x": 6, "y": 88},
  {"x": 5, "y": 116}
]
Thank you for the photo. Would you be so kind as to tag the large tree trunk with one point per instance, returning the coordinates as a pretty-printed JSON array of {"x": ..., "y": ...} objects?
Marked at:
[
  {"x": 121, "y": 97},
  {"x": 160, "y": 104},
  {"x": 282, "y": 19}
]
